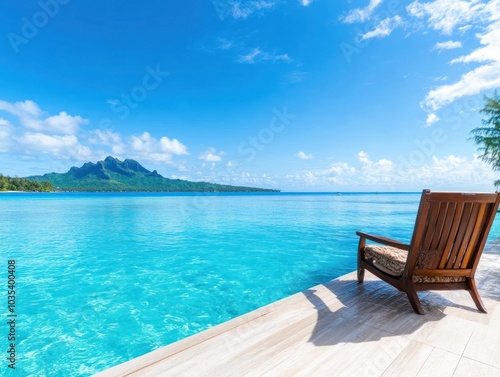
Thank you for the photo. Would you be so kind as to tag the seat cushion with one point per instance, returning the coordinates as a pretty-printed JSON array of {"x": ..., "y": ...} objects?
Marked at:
[
  {"x": 392, "y": 261},
  {"x": 386, "y": 258}
]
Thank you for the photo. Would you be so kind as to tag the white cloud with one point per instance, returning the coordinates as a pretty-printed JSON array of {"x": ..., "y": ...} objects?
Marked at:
[
  {"x": 241, "y": 9},
  {"x": 342, "y": 173},
  {"x": 148, "y": 148},
  {"x": 446, "y": 15},
  {"x": 464, "y": 28},
  {"x": 451, "y": 170},
  {"x": 296, "y": 77},
  {"x": 62, "y": 124},
  {"x": 361, "y": 14},
  {"x": 33, "y": 132},
  {"x": 340, "y": 168},
  {"x": 249, "y": 55},
  {"x": 29, "y": 107},
  {"x": 109, "y": 139},
  {"x": 5, "y": 134},
  {"x": 21, "y": 109},
  {"x": 5, "y": 128},
  {"x": 338, "y": 172},
  {"x": 105, "y": 137},
  {"x": 471, "y": 83},
  {"x": 384, "y": 28},
  {"x": 256, "y": 54},
  {"x": 448, "y": 172},
  {"x": 304, "y": 156},
  {"x": 490, "y": 50},
  {"x": 448, "y": 45},
  {"x": 225, "y": 44},
  {"x": 29, "y": 132},
  {"x": 306, "y": 3},
  {"x": 431, "y": 119},
  {"x": 211, "y": 155},
  {"x": 234, "y": 176},
  {"x": 32, "y": 117},
  {"x": 304, "y": 178},
  {"x": 63, "y": 146},
  {"x": 380, "y": 171}
]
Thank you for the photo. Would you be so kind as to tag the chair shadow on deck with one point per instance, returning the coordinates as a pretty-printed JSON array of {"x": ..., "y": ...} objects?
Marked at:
[{"x": 349, "y": 312}]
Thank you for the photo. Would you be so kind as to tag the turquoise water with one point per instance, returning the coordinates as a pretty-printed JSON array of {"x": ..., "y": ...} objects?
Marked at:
[{"x": 102, "y": 278}]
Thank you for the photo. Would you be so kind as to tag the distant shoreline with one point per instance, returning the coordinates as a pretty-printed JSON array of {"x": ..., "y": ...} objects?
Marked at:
[{"x": 226, "y": 192}]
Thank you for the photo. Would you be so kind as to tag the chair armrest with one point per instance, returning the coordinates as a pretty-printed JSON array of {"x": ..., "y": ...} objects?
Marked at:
[{"x": 384, "y": 241}]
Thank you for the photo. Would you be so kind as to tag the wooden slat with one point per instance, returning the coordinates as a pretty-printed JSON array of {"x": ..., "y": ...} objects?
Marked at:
[
  {"x": 453, "y": 231},
  {"x": 431, "y": 225},
  {"x": 443, "y": 272},
  {"x": 473, "y": 243},
  {"x": 451, "y": 208},
  {"x": 417, "y": 239},
  {"x": 461, "y": 197},
  {"x": 459, "y": 234},
  {"x": 438, "y": 233},
  {"x": 468, "y": 226}
]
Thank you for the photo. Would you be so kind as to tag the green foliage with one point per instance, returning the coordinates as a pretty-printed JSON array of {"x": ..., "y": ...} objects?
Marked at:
[
  {"x": 488, "y": 136},
  {"x": 23, "y": 184},
  {"x": 115, "y": 175}
]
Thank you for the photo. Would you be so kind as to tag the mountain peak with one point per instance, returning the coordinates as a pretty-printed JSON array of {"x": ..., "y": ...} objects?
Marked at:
[
  {"x": 127, "y": 168},
  {"x": 111, "y": 159},
  {"x": 111, "y": 174}
]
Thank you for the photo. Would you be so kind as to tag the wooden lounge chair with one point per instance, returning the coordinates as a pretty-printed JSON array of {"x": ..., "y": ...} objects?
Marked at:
[{"x": 448, "y": 240}]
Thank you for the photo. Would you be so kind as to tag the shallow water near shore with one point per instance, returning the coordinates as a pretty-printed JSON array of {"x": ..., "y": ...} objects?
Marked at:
[{"x": 102, "y": 278}]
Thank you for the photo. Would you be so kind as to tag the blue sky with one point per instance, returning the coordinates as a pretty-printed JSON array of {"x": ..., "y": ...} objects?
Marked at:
[{"x": 298, "y": 95}]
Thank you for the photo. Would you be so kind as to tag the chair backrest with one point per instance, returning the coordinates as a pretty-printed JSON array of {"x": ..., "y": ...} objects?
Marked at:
[{"x": 450, "y": 233}]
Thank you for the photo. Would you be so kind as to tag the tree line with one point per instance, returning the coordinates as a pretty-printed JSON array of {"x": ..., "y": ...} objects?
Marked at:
[{"x": 23, "y": 184}]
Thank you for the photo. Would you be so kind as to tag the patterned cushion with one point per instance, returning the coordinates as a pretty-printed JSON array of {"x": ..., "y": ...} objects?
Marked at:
[
  {"x": 438, "y": 279},
  {"x": 387, "y": 258},
  {"x": 392, "y": 261}
]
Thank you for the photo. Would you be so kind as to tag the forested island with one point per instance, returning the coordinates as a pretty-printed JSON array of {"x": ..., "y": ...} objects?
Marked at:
[
  {"x": 112, "y": 174},
  {"x": 24, "y": 184}
]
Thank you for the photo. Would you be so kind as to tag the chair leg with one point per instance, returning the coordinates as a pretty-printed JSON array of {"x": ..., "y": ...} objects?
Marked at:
[
  {"x": 361, "y": 274},
  {"x": 361, "y": 269},
  {"x": 414, "y": 300},
  {"x": 475, "y": 296}
]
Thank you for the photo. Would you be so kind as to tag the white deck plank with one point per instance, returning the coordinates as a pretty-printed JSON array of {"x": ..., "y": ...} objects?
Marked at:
[
  {"x": 484, "y": 345},
  {"x": 410, "y": 361},
  {"x": 440, "y": 363},
  {"x": 468, "y": 368}
]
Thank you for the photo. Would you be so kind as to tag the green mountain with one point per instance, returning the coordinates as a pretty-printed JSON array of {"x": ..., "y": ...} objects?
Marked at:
[{"x": 115, "y": 175}]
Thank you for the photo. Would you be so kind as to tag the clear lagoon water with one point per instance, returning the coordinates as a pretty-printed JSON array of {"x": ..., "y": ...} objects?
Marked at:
[{"x": 106, "y": 277}]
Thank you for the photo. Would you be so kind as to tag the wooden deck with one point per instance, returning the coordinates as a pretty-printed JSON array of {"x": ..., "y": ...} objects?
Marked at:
[{"x": 342, "y": 328}]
